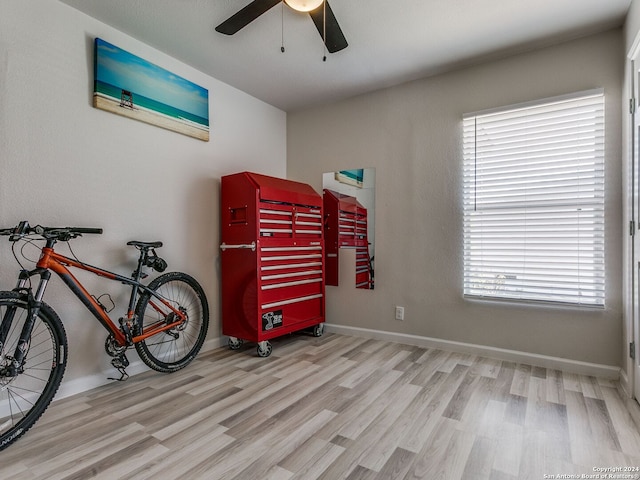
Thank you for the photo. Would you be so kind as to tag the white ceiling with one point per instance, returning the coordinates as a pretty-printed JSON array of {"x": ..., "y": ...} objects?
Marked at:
[{"x": 390, "y": 42}]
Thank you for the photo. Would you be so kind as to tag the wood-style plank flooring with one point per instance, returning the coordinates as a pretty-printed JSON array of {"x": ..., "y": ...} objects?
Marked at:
[{"x": 334, "y": 407}]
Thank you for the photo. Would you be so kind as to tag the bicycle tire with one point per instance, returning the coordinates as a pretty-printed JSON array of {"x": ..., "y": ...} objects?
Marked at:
[
  {"x": 174, "y": 349},
  {"x": 25, "y": 397}
]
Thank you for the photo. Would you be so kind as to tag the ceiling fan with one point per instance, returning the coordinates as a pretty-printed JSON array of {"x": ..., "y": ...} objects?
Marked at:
[{"x": 327, "y": 26}]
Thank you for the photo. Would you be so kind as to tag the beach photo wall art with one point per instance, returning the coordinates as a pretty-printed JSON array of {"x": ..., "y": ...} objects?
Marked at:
[
  {"x": 133, "y": 87},
  {"x": 351, "y": 177}
]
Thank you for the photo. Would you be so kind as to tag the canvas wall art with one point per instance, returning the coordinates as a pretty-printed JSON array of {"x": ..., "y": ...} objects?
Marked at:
[
  {"x": 133, "y": 87},
  {"x": 351, "y": 177}
]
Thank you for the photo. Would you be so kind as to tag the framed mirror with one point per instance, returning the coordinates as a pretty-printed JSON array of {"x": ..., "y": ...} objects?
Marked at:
[{"x": 349, "y": 223}]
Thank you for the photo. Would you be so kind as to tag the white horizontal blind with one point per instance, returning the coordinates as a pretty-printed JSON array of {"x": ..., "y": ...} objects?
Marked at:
[{"x": 534, "y": 202}]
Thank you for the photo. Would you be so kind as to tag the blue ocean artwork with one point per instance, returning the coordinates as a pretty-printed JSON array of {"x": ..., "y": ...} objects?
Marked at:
[
  {"x": 131, "y": 86},
  {"x": 352, "y": 177}
]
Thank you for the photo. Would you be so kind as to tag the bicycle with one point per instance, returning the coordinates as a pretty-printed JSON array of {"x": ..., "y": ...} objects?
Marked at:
[{"x": 166, "y": 322}]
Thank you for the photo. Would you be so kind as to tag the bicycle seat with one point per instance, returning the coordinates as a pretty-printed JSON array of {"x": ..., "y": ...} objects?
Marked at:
[{"x": 142, "y": 245}]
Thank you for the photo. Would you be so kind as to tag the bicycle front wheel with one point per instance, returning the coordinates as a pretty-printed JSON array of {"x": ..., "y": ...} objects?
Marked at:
[
  {"x": 25, "y": 392},
  {"x": 172, "y": 349}
]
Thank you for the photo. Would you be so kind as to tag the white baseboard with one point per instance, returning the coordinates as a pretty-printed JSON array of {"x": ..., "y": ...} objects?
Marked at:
[
  {"x": 624, "y": 383},
  {"x": 564, "y": 364},
  {"x": 82, "y": 384}
]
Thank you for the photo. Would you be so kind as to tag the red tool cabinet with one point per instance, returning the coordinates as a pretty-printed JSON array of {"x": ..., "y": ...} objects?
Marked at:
[
  {"x": 345, "y": 226},
  {"x": 272, "y": 259}
]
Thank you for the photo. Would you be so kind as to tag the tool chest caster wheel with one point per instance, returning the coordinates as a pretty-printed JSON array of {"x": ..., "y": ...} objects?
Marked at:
[
  {"x": 235, "y": 343},
  {"x": 318, "y": 330},
  {"x": 264, "y": 349}
]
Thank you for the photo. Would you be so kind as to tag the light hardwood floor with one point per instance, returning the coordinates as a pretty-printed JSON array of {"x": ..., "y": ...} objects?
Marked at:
[{"x": 334, "y": 407}]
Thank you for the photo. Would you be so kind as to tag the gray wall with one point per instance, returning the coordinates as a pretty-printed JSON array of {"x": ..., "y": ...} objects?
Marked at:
[
  {"x": 67, "y": 163},
  {"x": 411, "y": 135}
]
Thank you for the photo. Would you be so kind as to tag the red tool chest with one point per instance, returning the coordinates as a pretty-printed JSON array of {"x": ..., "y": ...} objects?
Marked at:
[
  {"x": 272, "y": 259},
  {"x": 345, "y": 226}
]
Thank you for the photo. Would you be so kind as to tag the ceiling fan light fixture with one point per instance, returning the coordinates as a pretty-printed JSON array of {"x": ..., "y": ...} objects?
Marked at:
[{"x": 304, "y": 5}]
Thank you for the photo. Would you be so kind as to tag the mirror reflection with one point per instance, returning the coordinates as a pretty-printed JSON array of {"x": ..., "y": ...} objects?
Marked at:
[{"x": 349, "y": 222}]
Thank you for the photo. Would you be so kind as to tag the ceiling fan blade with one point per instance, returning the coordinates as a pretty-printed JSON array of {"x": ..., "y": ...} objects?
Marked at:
[
  {"x": 245, "y": 16},
  {"x": 334, "y": 40}
]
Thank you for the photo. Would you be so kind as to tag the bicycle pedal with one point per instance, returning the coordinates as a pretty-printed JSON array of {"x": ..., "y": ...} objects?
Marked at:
[
  {"x": 123, "y": 375},
  {"x": 120, "y": 362}
]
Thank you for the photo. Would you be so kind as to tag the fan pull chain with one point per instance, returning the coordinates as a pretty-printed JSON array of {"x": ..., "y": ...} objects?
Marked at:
[
  {"x": 282, "y": 28},
  {"x": 324, "y": 30}
]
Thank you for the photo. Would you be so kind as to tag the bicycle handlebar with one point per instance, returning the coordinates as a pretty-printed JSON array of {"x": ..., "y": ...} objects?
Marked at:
[
  {"x": 23, "y": 228},
  {"x": 97, "y": 231}
]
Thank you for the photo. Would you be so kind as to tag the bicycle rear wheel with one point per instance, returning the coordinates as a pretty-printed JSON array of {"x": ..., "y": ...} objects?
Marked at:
[
  {"x": 26, "y": 395},
  {"x": 173, "y": 349}
]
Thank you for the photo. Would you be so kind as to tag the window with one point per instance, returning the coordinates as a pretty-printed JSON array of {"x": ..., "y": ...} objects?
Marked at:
[{"x": 534, "y": 201}]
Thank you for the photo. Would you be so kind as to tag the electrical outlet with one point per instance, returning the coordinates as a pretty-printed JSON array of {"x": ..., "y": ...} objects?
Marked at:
[{"x": 399, "y": 313}]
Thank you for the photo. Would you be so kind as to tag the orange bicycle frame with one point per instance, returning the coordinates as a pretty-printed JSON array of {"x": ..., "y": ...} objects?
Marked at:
[{"x": 51, "y": 260}]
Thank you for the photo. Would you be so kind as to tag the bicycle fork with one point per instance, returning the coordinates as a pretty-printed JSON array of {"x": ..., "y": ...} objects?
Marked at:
[{"x": 16, "y": 364}]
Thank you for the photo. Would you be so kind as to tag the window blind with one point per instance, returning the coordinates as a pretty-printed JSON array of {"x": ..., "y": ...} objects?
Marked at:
[{"x": 534, "y": 201}]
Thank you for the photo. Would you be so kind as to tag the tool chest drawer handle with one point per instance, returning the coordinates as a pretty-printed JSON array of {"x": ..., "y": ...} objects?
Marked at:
[{"x": 251, "y": 245}]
